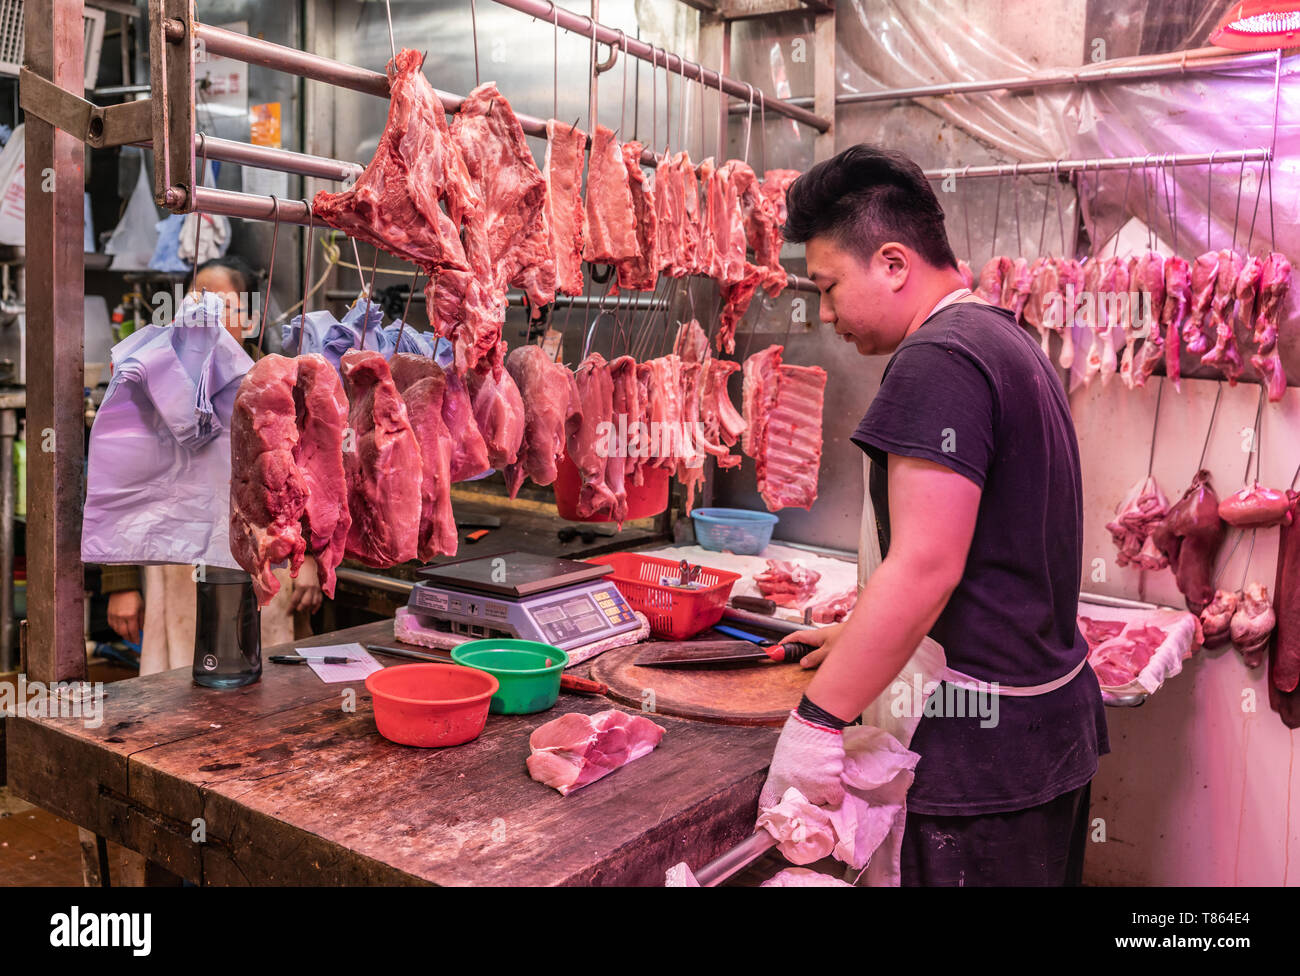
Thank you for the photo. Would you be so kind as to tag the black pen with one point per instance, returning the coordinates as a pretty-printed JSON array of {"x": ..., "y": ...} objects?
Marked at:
[{"x": 295, "y": 659}]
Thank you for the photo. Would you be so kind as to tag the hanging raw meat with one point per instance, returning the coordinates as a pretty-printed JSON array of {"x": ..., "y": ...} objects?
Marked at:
[
  {"x": 1275, "y": 282},
  {"x": 993, "y": 273},
  {"x": 1151, "y": 303},
  {"x": 735, "y": 303},
  {"x": 423, "y": 386},
  {"x": 498, "y": 412},
  {"x": 322, "y": 415},
  {"x": 551, "y": 396},
  {"x": 1224, "y": 356},
  {"x": 1143, "y": 508},
  {"x": 967, "y": 275},
  {"x": 464, "y": 311},
  {"x": 1132, "y": 317},
  {"x": 469, "y": 453},
  {"x": 641, "y": 272},
  {"x": 783, "y": 407},
  {"x": 1252, "y": 624},
  {"x": 625, "y": 410},
  {"x": 720, "y": 424},
  {"x": 736, "y": 188},
  {"x": 611, "y": 221},
  {"x": 1071, "y": 289},
  {"x": 384, "y": 469},
  {"x": 1205, "y": 278},
  {"x": 763, "y": 223},
  {"x": 1043, "y": 297},
  {"x": 566, "y": 152},
  {"x": 1100, "y": 281},
  {"x": 1178, "y": 299},
  {"x": 1257, "y": 507},
  {"x": 1285, "y": 665},
  {"x": 1216, "y": 619},
  {"x": 588, "y": 441},
  {"x": 1189, "y": 536},
  {"x": 690, "y": 462},
  {"x": 268, "y": 494},
  {"x": 394, "y": 204}
]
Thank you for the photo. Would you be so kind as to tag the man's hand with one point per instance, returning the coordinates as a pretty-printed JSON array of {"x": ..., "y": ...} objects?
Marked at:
[
  {"x": 810, "y": 758},
  {"x": 818, "y": 637},
  {"x": 126, "y": 614},
  {"x": 306, "y": 588}
]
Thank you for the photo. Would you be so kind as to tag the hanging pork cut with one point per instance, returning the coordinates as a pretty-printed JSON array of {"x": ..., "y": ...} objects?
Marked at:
[
  {"x": 384, "y": 467},
  {"x": 1178, "y": 301},
  {"x": 1189, "y": 537},
  {"x": 1216, "y": 619},
  {"x": 1151, "y": 304},
  {"x": 464, "y": 311},
  {"x": 1224, "y": 356},
  {"x": 1256, "y": 507},
  {"x": 1252, "y": 624},
  {"x": 550, "y": 396},
  {"x": 322, "y": 415},
  {"x": 394, "y": 204},
  {"x": 735, "y": 303},
  {"x": 967, "y": 275},
  {"x": 423, "y": 385},
  {"x": 1205, "y": 279},
  {"x": 1043, "y": 296},
  {"x": 640, "y": 273},
  {"x": 763, "y": 222},
  {"x": 268, "y": 494},
  {"x": 611, "y": 220},
  {"x": 991, "y": 279},
  {"x": 588, "y": 442},
  {"x": 690, "y": 462},
  {"x": 498, "y": 411},
  {"x": 1142, "y": 509},
  {"x": 1275, "y": 282},
  {"x": 691, "y": 344},
  {"x": 1285, "y": 663},
  {"x": 469, "y": 452},
  {"x": 783, "y": 411},
  {"x": 1071, "y": 288},
  {"x": 566, "y": 153},
  {"x": 1132, "y": 317},
  {"x": 720, "y": 424}
]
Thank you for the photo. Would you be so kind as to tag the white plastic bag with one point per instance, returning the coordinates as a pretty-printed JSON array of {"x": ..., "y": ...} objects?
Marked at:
[
  {"x": 12, "y": 189},
  {"x": 136, "y": 235}
]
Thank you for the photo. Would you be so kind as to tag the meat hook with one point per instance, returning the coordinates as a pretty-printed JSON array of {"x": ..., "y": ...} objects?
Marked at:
[
  {"x": 401, "y": 327},
  {"x": 270, "y": 273},
  {"x": 1015, "y": 201},
  {"x": 306, "y": 276},
  {"x": 198, "y": 217},
  {"x": 1209, "y": 196}
]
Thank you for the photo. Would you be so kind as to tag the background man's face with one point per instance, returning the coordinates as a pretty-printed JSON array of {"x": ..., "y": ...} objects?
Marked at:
[{"x": 221, "y": 283}]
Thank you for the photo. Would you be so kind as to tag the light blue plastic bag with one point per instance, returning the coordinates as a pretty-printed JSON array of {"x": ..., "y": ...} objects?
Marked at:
[
  {"x": 158, "y": 478},
  {"x": 322, "y": 333}
]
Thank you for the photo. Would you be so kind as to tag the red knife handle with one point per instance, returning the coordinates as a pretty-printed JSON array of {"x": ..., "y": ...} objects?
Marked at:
[
  {"x": 790, "y": 651},
  {"x": 583, "y": 686}
]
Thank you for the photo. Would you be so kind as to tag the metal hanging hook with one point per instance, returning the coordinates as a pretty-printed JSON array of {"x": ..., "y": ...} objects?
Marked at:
[
  {"x": 749, "y": 120},
  {"x": 1015, "y": 202},
  {"x": 306, "y": 274},
  {"x": 1123, "y": 210},
  {"x": 1209, "y": 196},
  {"x": 270, "y": 272}
]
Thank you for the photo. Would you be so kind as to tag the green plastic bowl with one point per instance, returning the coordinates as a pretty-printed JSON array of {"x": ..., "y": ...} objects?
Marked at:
[{"x": 527, "y": 684}]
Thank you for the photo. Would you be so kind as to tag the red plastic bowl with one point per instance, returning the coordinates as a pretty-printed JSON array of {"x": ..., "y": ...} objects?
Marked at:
[{"x": 431, "y": 704}]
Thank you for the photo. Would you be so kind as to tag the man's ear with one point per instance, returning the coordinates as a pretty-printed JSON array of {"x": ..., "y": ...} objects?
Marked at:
[{"x": 897, "y": 264}]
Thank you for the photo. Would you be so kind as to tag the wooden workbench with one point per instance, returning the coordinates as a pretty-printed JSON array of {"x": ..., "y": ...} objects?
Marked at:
[{"x": 291, "y": 788}]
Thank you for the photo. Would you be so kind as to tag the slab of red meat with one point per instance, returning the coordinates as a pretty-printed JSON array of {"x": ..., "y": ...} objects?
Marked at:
[
  {"x": 1071, "y": 289},
  {"x": 1189, "y": 536},
  {"x": 761, "y": 374},
  {"x": 1044, "y": 280},
  {"x": 641, "y": 272},
  {"x": 469, "y": 452},
  {"x": 1143, "y": 508},
  {"x": 764, "y": 220},
  {"x": 423, "y": 384},
  {"x": 625, "y": 410},
  {"x": 1016, "y": 287},
  {"x": 692, "y": 258},
  {"x": 1275, "y": 282},
  {"x": 1151, "y": 301},
  {"x": 1257, "y": 507},
  {"x": 1178, "y": 300},
  {"x": 734, "y": 187},
  {"x": 1205, "y": 277},
  {"x": 1121, "y": 659},
  {"x": 669, "y": 192},
  {"x": 690, "y": 462},
  {"x": 394, "y": 204},
  {"x": 720, "y": 424},
  {"x": 384, "y": 470},
  {"x": 835, "y": 608},
  {"x": 551, "y": 398},
  {"x": 498, "y": 412},
  {"x": 1252, "y": 624},
  {"x": 968, "y": 276},
  {"x": 789, "y": 458},
  {"x": 464, "y": 311},
  {"x": 611, "y": 220},
  {"x": 267, "y": 492},
  {"x": 991, "y": 279},
  {"x": 787, "y": 584},
  {"x": 1284, "y": 683},
  {"x": 1225, "y": 355},
  {"x": 575, "y": 750},
  {"x": 509, "y": 243},
  {"x": 735, "y": 303},
  {"x": 664, "y": 410},
  {"x": 588, "y": 444},
  {"x": 711, "y": 204},
  {"x": 566, "y": 152},
  {"x": 1216, "y": 619},
  {"x": 691, "y": 344},
  {"x": 1097, "y": 631},
  {"x": 322, "y": 413}
]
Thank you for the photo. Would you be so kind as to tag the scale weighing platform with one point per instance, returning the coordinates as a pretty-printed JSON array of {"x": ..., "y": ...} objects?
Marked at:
[{"x": 561, "y": 602}]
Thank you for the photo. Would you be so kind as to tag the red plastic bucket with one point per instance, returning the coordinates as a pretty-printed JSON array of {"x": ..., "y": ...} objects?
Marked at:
[
  {"x": 431, "y": 704},
  {"x": 644, "y": 500}
]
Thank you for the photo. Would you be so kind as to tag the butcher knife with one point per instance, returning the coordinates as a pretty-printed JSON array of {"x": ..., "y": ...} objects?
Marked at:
[{"x": 677, "y": 653}]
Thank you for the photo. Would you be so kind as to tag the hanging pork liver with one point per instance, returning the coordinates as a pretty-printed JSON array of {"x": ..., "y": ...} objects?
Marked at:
[{"x": 1190, "y": 536}]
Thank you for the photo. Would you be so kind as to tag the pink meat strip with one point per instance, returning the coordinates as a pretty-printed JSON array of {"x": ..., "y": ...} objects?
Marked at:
[{"x": 575, "y": 750}]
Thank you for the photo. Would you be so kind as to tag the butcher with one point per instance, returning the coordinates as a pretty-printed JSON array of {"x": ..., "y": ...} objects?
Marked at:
[{"x": 974, "y": 480}]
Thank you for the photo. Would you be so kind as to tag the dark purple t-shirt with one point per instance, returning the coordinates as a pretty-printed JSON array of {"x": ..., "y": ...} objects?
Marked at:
[{"x": 972, "y": 391}]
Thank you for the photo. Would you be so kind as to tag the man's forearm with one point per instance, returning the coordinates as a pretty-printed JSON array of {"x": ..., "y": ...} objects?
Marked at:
[{"x": 894, "y": 612}]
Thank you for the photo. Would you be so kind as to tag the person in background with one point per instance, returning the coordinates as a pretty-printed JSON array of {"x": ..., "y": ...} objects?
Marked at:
[{"x": 163, "y": 623}]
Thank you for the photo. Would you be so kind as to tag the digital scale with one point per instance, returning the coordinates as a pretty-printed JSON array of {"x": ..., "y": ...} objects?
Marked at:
[{"x": 561, "y": 602}]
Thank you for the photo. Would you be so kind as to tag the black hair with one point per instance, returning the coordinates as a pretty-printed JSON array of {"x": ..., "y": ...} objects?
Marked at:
[
  {"x": 865, "y": 197},
  {"x": 245, "y": 277}
]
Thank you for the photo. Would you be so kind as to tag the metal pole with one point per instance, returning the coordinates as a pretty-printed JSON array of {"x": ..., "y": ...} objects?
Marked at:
[
  {"x": 548, "y": 12},
  {"x": 269, "y": 157},
  {"x": 55, "y": 272},
  {"x": 8, "y": 430},
  {"x": 1115, "y": 162},
  {"x": 1084, "y": 76}
]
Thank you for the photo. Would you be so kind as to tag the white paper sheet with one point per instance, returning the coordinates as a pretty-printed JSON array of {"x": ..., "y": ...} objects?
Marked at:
[{"x": 361, "y": 665}]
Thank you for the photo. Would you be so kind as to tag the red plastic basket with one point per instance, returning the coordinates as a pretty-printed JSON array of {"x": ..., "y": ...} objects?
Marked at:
[{"x": 673, "y": 611}]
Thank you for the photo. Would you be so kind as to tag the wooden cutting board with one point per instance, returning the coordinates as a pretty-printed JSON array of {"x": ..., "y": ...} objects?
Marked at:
[{"x": 758, "y": 694}]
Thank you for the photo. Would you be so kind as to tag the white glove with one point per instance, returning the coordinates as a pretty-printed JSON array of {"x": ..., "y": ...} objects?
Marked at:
[{"x": 810, "y": 758}]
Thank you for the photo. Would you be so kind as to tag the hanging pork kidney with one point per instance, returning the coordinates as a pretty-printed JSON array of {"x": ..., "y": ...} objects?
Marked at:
[
  {"x": 1253, "y": 623},
  {"x": 1256, "y": 507},
  {"x": 1189, "y": 537}
]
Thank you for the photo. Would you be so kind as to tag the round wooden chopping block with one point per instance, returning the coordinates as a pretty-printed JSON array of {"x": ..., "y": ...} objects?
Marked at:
[{"x": 753, "y": 694}]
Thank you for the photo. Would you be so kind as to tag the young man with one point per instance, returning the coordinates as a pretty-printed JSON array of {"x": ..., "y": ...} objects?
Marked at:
[{"x": 976, "y": 485}]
